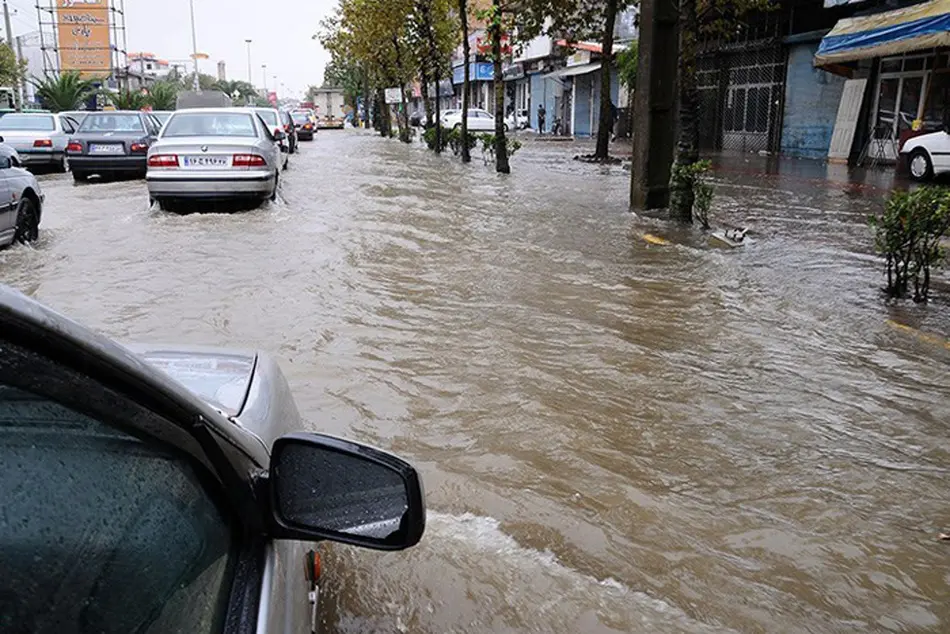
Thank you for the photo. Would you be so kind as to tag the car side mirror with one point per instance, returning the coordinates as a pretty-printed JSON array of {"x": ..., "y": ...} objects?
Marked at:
[
  {"x": 279, "y": 135},
  {"x": 322, "y": 487}
]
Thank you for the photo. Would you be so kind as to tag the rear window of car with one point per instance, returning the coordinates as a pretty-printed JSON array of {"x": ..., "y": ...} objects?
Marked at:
[
  {"x": 112, "y": 123},
  {"x": 300, "y": 117},
  {"x": 17, "y": 121},
  {"x": 209, "y": 124},
  {"x": 269, "y": 117}
]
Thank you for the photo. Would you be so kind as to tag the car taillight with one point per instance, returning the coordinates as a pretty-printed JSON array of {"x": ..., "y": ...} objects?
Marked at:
[
  {"x": 42, "y": 143},
  {"x": 163, "y": 160},
  {"x": 74, "y": 146},
  {"x": 138, "y": 147},
  {"x": 287, "y": 127},
  {"x": 248, "y": 160}
]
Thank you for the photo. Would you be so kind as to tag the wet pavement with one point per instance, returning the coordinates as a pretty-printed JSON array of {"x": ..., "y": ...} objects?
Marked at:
[{"x": 615, "y": 436}]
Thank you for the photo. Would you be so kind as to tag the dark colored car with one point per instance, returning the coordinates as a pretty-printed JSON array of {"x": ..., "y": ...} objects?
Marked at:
[
  {"x": 289, "y": 129},
  {"x": 303, "y": 123},
  {"x": 112, "y": 143},
  {"x": 163, "y": 489}
]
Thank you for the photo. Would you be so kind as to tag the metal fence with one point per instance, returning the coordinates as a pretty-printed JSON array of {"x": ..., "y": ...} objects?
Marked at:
[{"x": 741, "y": 94}]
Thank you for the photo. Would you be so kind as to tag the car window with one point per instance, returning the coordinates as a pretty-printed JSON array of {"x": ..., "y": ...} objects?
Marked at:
[
  {"x": 234, "y": 124},
  {"x": 18, "y": 121},
  {"x": 102, "y": 531},
  {"x": 112, "y": 122},
  {"x": 269, "y": 117},
  {"x": 300, "y": 117},
  {"x": 6, "y": 161},
  {"x": 68, "y": 125}
]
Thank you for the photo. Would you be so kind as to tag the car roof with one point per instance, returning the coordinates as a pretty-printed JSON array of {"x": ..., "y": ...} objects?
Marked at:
[{"x": 242, "y": 109}]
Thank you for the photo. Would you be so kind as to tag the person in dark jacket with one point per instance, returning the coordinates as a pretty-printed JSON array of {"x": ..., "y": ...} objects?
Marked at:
[{"x": 541, "y": 115}]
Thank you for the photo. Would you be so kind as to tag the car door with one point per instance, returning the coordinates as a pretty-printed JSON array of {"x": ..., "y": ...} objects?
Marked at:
[
  {"x": 68, "y": 127},
  {"x": 7, "y": 204}
]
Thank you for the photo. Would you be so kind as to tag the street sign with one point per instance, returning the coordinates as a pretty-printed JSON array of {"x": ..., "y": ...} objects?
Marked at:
[{"x": 393, "y": 95}]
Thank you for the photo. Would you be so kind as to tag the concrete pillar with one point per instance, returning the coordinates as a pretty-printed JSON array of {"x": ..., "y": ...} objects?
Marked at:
[{"x": 654, "y": 105}]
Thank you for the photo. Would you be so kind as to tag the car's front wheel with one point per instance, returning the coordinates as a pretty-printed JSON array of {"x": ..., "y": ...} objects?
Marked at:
[
  {"x": 27, "y": 222},
  {"x": 920, "y": 166}
]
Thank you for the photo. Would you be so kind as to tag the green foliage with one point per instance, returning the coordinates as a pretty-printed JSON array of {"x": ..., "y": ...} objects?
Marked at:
[
  {"x": 908, "y": 234},
  {"x": 627, "y": 62},
  {"x": 162, "y": 95},
  {"x": 63, "y": 92},
  {"x": 453, "y": 139},
  {"x": 694, "y": 177},
  {"x": 241, "y": 92},
  {"x": 11, "y": 73},
  {"x": 127, "y": 100},
  {"x": 489, "y": 141}
]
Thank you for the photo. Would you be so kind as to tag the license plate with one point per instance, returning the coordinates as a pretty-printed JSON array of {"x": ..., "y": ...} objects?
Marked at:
[
  {"x": 106, "y": 148},
  {"x": 206, "y": 161}
]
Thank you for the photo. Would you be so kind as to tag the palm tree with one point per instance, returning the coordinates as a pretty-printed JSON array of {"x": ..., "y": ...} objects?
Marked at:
[
  {"x": 163, "y": 95},
  {"x": 128, "y": 100},
  {"x": 63, "y": 92}
]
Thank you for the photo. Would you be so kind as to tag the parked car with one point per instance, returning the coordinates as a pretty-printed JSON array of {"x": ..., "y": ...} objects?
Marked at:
[
  {"x": 478, "y": 120},
  {"x": 927, "y": 155},
  {"x": 214, "y": 154},
  {"x": 20, "y": 215},
  {"x": 290, "y": 130},
  {"x": 416, "y": 118},
  {"x": 271, "y": 116},
  {"x": 517, "y": 120},
  {"x": 110, "y": 143},
  {"x": 39, "y": 139},
  {"x": 166, "y": 489},
  {"x": 305, "y": 124}
]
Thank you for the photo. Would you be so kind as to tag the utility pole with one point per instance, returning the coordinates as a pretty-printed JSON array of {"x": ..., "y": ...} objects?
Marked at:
[
  {"x": 194, "y": 44},
  {"x": 22, "y": 81},
  {"x": 264, "y": 68},
  {"x": 6, "y": 20}
]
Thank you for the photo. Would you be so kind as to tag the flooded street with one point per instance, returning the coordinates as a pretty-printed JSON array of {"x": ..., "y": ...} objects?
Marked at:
[{"x": 615, "y": 436}]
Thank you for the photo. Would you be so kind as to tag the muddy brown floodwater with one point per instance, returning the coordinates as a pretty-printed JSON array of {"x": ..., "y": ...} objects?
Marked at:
[{"x": 615, "y": 436}]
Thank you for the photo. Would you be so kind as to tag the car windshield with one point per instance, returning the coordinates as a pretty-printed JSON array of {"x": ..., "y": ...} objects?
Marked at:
[
  {"x": 112, "y": 122},
  {"x": 18, "y": 121},
  {"x": 85, "y": 506},
  {"x": 269, "y": 117},
  {"x": 236, "y": 124},
  {"x": 300, "y": 117}
]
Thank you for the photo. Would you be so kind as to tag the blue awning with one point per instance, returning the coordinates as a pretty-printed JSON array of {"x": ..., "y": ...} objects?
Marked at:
[{"x": 918, "y": 27}]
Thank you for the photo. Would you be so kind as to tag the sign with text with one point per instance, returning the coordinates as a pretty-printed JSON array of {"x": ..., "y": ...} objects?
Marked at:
[
  {"x": 83, "y": 37},
  {"x": 393, "y": 95}
]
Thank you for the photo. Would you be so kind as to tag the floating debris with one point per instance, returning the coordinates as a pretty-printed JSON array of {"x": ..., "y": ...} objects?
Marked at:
[
  {"x": 652, "y": 239},
  {"x": 730, "y": 237}
]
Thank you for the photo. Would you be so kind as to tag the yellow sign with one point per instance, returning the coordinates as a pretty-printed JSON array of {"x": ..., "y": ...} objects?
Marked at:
[{"x": 83, "y": 34}]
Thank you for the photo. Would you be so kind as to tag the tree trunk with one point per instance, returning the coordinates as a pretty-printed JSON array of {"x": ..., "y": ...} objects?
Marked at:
[
  {"x": 501, "y": 145},
  {"x": 366, "y": 92},
  {"x": 437, "y": 74},
  {"x": 466, "y": 53},
  {"x": 424, "y": 78},
  {"x": 687, "y": 151},
  {"x": 385, "y": 118},
  {"x": 605, "y": 128},
  {"x": 403, "y": 119}
]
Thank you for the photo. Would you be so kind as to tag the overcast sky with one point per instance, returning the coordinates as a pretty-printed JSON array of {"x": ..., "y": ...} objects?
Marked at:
[{"x": 281, "y": 31}]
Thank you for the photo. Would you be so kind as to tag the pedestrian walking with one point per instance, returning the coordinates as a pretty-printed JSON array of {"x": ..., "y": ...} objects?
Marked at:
[{"x": 541, "y": 115}]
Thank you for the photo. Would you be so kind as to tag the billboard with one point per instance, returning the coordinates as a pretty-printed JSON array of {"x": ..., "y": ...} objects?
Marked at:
[{"x": 83, "y": 37}]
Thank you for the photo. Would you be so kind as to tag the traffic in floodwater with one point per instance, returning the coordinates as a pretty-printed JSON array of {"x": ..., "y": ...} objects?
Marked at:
[{"x": 616, "y": 434}]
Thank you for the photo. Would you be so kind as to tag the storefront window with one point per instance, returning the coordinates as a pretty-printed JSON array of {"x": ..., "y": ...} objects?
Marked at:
[
  {"x": 938, "y": 97},
  {"x": 886, "y": 106},
  {"x": 910, "y": 102}
]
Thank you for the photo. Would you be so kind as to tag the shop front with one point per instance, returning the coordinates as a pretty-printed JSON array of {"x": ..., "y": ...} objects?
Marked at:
[{"x": 902, "y": 54}]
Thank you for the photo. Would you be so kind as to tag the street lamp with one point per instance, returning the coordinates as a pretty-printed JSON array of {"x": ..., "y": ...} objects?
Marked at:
[
  {"x": 264, "y": 69},
  {"x": 250, "y": 79},
  {"x": 194, "y": 44}
]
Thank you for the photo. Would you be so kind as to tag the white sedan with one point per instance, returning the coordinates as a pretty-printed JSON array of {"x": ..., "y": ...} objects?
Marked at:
[
  {"x": 927, "y": 155},
  {"x": 478, "y": 120},
  {"x": 20, "y": 214},
  {"x": 214, "y": 154}
]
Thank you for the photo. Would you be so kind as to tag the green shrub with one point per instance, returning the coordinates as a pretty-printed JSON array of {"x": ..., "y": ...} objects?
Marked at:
[
  {"x": 453, "y": 139},
  {"x": 488, "y": 146},
  {"x": 908, "y": 235}
]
